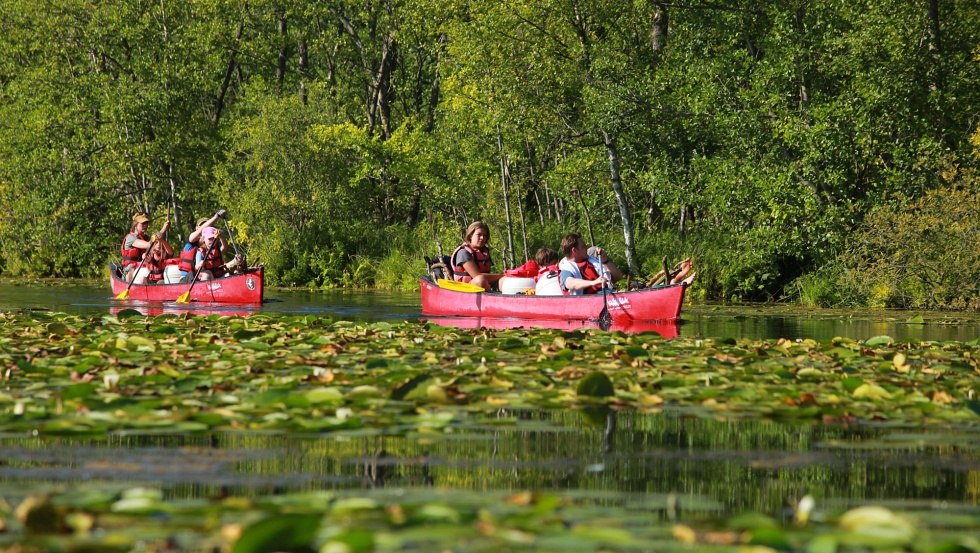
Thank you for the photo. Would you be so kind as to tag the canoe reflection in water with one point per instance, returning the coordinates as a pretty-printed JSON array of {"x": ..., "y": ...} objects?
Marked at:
[
  {"x": 198, "y": 309},
  {"x": 667, "y": 329}
]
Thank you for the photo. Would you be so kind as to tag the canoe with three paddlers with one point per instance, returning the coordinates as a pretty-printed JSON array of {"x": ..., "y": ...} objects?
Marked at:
[
  {"x": 246, "y": 287},
  {"x": 661, "y": 303}
]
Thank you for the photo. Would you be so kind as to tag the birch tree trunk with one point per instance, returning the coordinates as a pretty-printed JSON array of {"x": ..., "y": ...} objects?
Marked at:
[{"x": 624, "y": 212}]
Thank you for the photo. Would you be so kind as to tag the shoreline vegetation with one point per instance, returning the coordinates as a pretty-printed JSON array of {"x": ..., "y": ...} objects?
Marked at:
[{"x": 823, "y": 154}]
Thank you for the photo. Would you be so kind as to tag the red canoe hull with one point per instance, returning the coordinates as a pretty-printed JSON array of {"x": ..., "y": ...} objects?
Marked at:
[
  {"x": 243, "y": 288},
  {"x": 666, "y": 329},
  {"x": 650, "y": 304}
]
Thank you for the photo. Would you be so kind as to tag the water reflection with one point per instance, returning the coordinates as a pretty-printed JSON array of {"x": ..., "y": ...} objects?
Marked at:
[
  {"x": 726, "y": 465},
  {"x": 754, "y": 322}
]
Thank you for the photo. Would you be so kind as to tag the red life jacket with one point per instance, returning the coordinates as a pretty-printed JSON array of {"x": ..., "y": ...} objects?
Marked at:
[
  {"x": 155, "y": 262},
  {"x": 481, "y": 256},
  {"x": 133, "y": 255},
  {"x": 213, "y": 261},
  {"x": 186, "y": 260},
  {"x": 589, "y": 273}
]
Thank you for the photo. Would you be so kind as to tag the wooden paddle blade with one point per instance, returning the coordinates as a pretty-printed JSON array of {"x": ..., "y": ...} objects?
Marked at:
[
  {"x": 185, "y": 297},
  {"x": 123, "y": 295},
  {"x": 459, "y": 286}
]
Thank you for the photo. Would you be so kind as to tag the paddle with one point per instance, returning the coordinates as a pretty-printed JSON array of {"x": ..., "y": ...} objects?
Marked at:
[
  {"x": 605, "y": 319},
  {"x": 125, "y": 293},
  {"x": 458, "y": 286},
  {"x": 231, "y": 238},
  {"x": 186, "y": 296}
]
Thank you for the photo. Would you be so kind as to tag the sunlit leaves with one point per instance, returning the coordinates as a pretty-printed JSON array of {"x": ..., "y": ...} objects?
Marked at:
[{"x": 301, "y": 373}]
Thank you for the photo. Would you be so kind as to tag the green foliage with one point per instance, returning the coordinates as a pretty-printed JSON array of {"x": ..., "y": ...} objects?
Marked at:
[
  {"x": 921, "y": 253},
  {"x": 754, "y": 140}
]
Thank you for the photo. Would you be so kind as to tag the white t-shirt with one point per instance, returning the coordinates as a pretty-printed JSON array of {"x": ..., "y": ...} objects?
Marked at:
[{"x": 548, "y": 285}]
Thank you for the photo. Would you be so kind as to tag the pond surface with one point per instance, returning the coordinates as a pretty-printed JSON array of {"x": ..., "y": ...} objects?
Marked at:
[
  {"x": 672, "y": 464},
  {"x": 747, "y": 321}
]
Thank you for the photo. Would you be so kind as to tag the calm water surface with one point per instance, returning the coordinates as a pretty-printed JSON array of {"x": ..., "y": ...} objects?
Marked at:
[
  {"x": 713, "y": 466},
  {"x": 756, "y": 322}
]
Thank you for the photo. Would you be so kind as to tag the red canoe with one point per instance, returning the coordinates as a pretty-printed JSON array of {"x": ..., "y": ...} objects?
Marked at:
[
  {"x": 626, "y": 308},
  {"x": 666, "y": 329},
  {"x": 244, "y": 288}
]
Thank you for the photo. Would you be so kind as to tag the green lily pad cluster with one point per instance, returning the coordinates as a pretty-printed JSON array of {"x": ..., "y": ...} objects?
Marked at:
[
  {"x": 66, "y": 374},
  {"x": 422, "y": 519},
  {"x": 95, "y": 376}
]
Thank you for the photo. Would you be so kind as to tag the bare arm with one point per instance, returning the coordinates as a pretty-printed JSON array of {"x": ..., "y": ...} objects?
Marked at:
[
  {"x": 196, "y": 234},
  {"x": 572, "y": 283}
]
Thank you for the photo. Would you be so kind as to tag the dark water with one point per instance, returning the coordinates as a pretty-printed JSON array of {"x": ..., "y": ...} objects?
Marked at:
[{"x": 718, "y": 466}]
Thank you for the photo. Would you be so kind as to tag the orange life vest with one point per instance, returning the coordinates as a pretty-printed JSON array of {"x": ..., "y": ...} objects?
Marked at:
[{"x": 481, "y": 257}]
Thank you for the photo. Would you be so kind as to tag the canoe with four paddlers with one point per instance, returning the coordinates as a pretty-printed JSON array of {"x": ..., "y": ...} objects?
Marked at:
[
  {"x": 661, "y": 303},
  {"x": 246, "y": 287}
]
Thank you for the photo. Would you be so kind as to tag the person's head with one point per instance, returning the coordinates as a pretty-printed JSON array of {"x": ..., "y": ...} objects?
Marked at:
[
  {"x": 208, "y": 235},
  {"x": 200, "y": 222},
  {"x": 140, "y": 222},
  {"x": 573, "y": 247},
  {"x": 477, "y": 234},
  {"x": 546, "y": 256}
]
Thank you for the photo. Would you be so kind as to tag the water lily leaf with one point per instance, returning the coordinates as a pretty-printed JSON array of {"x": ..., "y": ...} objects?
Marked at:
[
  {"x": 319, "y": 396},
  {"x": 58, "y": 329},
  {"x": 287, "y": 532},
  {"x": 355, "y": 540},
  {"x": 80, "y": 390},
  {"x": 871, "y": 391},
  {"x": 871, "y": 515},
  {"x": 596, "y": 384},
  {"x": 879, "y": 341},
  {"x": 128, "y": 314},
  {"x": 809, "y": 373},
  {"x": 364, "y": 391},
  {"x": 917, "y": 319},
  {"x": 403, "y": 391},
  {"x": 822, "y": 544},
  {"x": 436, "y": 512},
  {"x": 243, "y": 335},
  {"x": 769, "y": 537},
  {"x": 876, "y": 525},
  {"x": 750, "y": 521},
  {"x": 852, "y": 383},
  {"x": 637, "y": 351}
]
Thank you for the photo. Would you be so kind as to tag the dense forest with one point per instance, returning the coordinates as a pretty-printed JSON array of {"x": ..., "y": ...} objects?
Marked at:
[{"x": 817, "y": 151}]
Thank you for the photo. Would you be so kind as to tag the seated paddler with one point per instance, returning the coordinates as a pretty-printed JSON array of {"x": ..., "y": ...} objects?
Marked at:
[{"x": 471, "y": 260}]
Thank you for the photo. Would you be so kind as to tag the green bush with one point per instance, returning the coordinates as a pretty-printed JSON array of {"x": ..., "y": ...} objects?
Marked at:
[{"x": 920, "y": 254}]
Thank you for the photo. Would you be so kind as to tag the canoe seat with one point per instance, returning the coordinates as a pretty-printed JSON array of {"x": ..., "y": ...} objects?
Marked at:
[{"x": 438, "y": 267}]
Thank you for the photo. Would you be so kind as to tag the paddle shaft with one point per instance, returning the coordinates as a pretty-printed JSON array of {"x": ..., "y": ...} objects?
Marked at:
[
  {"x": 231, "y": 238},
  {"x": 605, "y": 319},
  {"x": 125, "y": 293},
  {"x": 185, "y": 297}
]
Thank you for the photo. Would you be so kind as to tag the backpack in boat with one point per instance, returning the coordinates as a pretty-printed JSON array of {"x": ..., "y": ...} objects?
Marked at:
[{"x": 439, "y": 267}]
